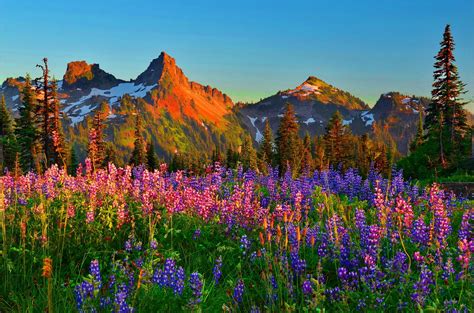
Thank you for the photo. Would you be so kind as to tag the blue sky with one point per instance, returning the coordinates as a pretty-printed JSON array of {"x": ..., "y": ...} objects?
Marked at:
[{"x": 248, "y": 49}]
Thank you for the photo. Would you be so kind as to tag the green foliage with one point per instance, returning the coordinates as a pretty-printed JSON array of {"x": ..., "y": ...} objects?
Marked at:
[
  {"x": 26, "y": 130},
  {"x": 288, "y": 141},
  {"x": 248, "y": 156},
  {"x": 138, "y": 154},
  {"x": 152, "y": 161},
  {"x": 447, "y": 139},
  {"x": 266, "y": 153},
  {"x": 8, "y": 143}
]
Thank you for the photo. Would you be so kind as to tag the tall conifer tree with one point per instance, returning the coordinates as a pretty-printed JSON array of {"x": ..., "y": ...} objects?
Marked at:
[
  {"x": 48, "y": 119},
  {"x": 248, "y": 154},
  {"x": 445, "y": 121},
  {"x": 26, "y": 131},
  {"x": 151, "y": 157},
  {"x": 96, "y": 147},
  {"x": 8, "y": 144},
  {"x": 287, "y": 141},
  {"x": 266, "y": 153},
  {"x": 138, "y": 154}
]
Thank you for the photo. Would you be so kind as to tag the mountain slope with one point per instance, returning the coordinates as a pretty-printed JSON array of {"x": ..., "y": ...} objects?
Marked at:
[
  {"x": 315, "y": 101},
  {"x": 179, "y": 115}
]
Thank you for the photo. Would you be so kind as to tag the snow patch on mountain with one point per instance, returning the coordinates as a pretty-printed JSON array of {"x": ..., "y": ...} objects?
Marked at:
[
  {"x": 368, "y": 118},
  {"x": 406, "y": 100},
  {"x": 347, "y": 122},
  {"x": 258, "y": 134},
  {"x": 77, "y": 110},
  {"x": 309, "y": 121},
  {"x": 115, "y": 93},
  {"x": 79, "y": 114}
]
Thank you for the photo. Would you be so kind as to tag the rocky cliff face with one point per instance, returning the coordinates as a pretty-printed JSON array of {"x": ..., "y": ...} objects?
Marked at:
[
  {"x": 179, "y": 115},
  {"x": 182, "y": 115},
  {"x": 84, "y": 76},
  {"x": 182, "y": 98}
]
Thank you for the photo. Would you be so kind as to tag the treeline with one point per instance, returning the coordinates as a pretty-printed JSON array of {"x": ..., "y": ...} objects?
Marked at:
[
  {"x": 35, "y": 140},
  {"x": 286, "y": 149}
]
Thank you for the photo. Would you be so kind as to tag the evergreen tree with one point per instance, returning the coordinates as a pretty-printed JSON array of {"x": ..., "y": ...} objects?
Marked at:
[
  {"x": 307, "y": 160},
  {"x": 266, "y": 153},
  {"x": 248, "y": 155},
  {"x": 73, "y": 163},
  {"x": 48, "y": 119},
  {"x": 287, "y": 141},
  {"x": 445, "y": 122},
  {"x": 8, "y": 144},
  {"x": 26, "y": 132},
  {"x": 59, "y": 142},
  {"x": 6, "y": 121},
  {"x": 418, "y": 140},
  {"x": 336, "y": 140},
  {"x": 151, "y": 157},
  {"x": 97, "y": 145},
  {"x": 138, "y": 154},
  {"x": 110, "y": 155},
  {"x": 319, "y": 153},
  {"x": 232, "y": 158}
]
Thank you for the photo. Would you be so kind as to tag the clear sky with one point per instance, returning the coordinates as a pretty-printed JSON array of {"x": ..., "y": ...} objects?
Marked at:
[{"x": 247, "y": 48}]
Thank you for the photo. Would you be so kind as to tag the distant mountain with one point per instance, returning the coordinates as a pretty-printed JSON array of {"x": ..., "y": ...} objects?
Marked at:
[
  {"x": 184, "y": 116},
  {"x": 315, "y": 101},
  {"x": 179, "y": 115}
]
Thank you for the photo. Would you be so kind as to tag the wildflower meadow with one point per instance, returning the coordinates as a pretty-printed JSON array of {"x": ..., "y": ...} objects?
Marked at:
[{"x": 132, "y": 240}]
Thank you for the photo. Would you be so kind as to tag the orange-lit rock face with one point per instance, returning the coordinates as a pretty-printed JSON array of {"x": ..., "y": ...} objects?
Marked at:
[
  {"x": 13, "y": 82},
  {"x": 183, "y": 98},
  {"x": 76, "y": 70}
]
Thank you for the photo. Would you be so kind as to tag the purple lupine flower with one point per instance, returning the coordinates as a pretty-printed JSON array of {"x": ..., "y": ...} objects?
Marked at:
[
  {"x": 399, "y": 262},
  {"x": 197, "y": 234},
  {"x": 297, "y": 264},
  {"x": 158, "y": 278},
  {"x": 333, "y": 294},
  {"x": 217, "y": 270},
  {"x": 323, "y": 245},
  {"x": 343, "y": 274},
  {"x": 153, "y": 244},
  {"x": 448, "y": 269},
  {"x": 95, "y": 272},
  {"x": 466, "y": 230},
  {"x": 138, "y": 246},
  {"x": 78, "y": 297},
  {"x": 422, "y": 288},
  {"x": 179, "y": 281},
  {"x": 420, "y": 232},
  {"x": 121, "y": 299},
  {"x": 87, "y": 289},
  {"x": 273, "y": 282},
  {"x": 239, "y": 291},
  {"x": 196, "y": 287},
  {"x": 307, "y": 287},
  {"x": 244, "y": 243},
  {"x": 128, "y": 245},
  {"x": 105, "y": 302}
]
